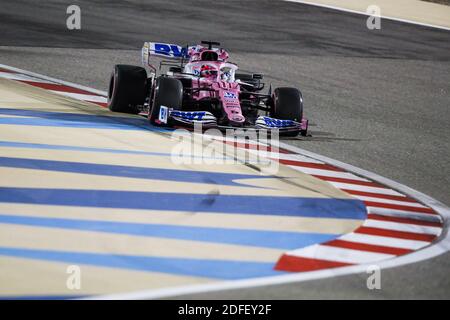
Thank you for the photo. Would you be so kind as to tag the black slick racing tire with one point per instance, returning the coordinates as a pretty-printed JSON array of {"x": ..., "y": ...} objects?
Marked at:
[
  {"x": 287, "y": 104},
  {"x": 167, "y": 92},
  {"x": 127, "y": 88}
]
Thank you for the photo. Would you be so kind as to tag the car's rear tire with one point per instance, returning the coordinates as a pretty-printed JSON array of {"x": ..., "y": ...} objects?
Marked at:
[
  {"x": 127, "y": 88},
  {"x": 287, "y": 104},
  {"x": 167, "y": 92}
]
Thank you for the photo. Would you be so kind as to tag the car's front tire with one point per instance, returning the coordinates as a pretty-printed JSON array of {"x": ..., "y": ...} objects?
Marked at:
[
  {"x": 287, "y": 104},
  {"x": 167, "y": 92},
  {"x": 127, "y": 88}
]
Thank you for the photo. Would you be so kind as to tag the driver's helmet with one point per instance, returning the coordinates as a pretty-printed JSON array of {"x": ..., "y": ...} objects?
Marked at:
[
  {"x": 208, "y": 71},
  {"x": 225, "y": 74}
]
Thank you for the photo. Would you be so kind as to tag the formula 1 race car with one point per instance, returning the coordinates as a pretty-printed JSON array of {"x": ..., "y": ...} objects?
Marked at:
[{"x": 202, "y": 86}]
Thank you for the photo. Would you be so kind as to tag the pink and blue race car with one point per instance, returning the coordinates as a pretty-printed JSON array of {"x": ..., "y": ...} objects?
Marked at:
[{"x": 203, "y": 86}]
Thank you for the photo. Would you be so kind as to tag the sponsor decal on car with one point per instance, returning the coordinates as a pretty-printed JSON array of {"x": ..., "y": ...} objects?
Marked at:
[
  {"x": 229, "y": 95},
  {"x": 267, "y": 122},
  {"x": 189, "y": 115},
  {"x": 166, "y": 50},
  {"x": 271, "y": 122},
  {"x": 163, "y": 114}
]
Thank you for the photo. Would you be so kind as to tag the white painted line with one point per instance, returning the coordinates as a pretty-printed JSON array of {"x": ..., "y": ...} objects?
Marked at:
[
  {"x": 382, "y": 196},
  {"x": 384, "y": 241},
  {"x": 80, "y": 96},
  {"x": 20, "y": 77},
  {"x": 294, "y": 157},
  {"x": 389, "y": 201},
  {"x": 366, "y": 14},
  {"x": 238, "y": 140},
  {"x": 357, "y": 187},
  {"x": 54, "y": 80},
  {"x": 404, "y": 214},
  {"x": 337, "y": 254},
  {"x": 328, "y": 173},
  {"x": 272, "y": 155},
  {"x": 402, "y": 227}
]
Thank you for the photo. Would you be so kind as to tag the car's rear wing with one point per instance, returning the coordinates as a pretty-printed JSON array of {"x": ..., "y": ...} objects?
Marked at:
[
  {"x": 169, "y": 51},
  {"x": 163, "y": 50}
]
